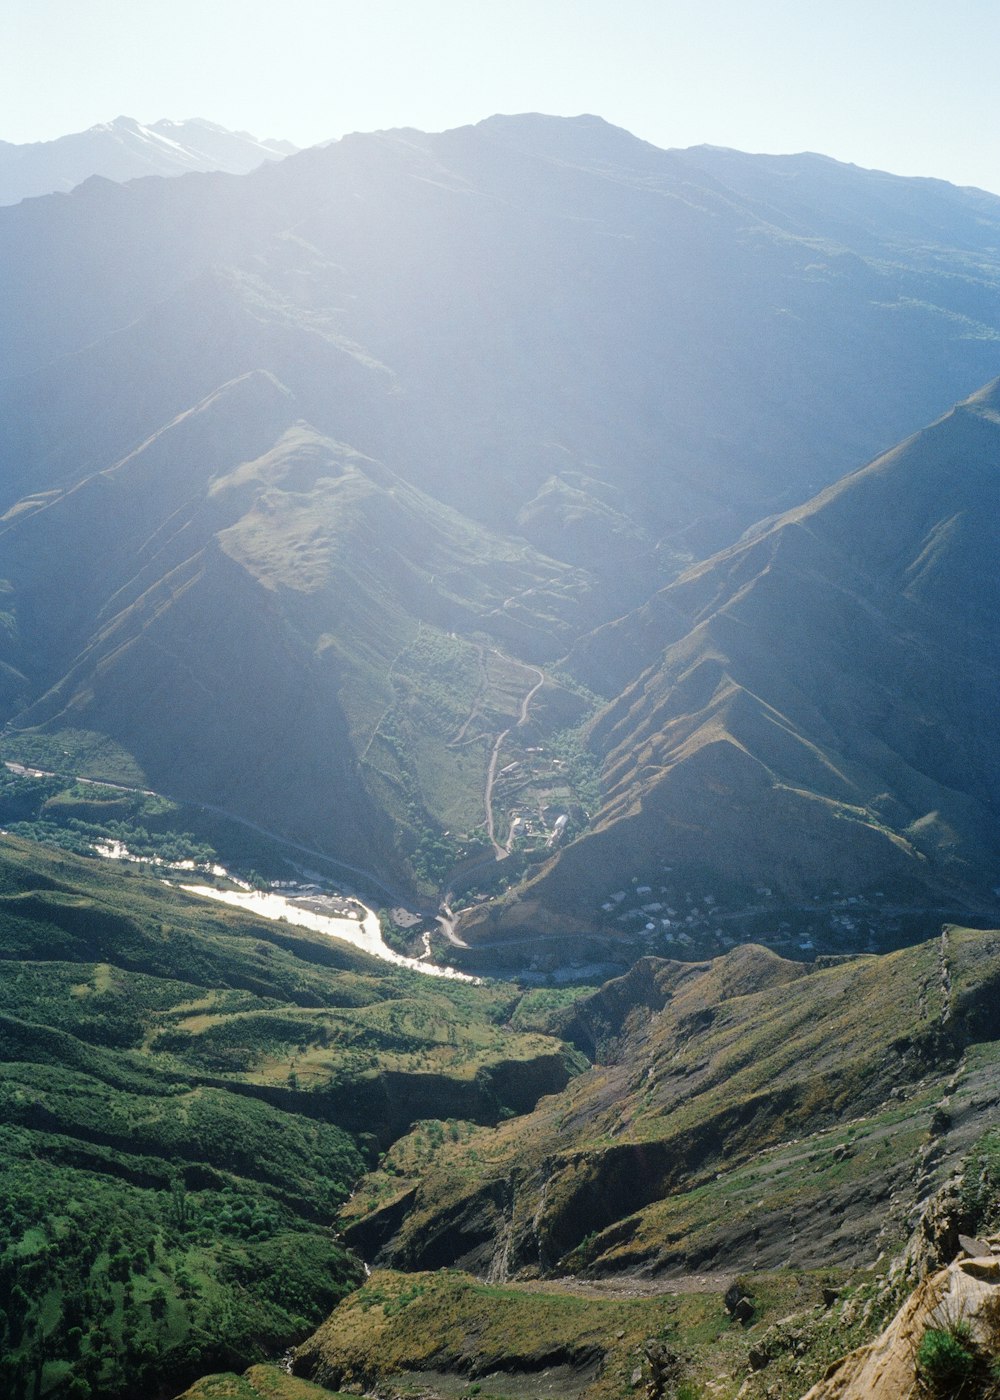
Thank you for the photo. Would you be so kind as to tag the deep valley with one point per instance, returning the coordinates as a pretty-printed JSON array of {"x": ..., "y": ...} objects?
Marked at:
[{"x": 573, "y": 566}]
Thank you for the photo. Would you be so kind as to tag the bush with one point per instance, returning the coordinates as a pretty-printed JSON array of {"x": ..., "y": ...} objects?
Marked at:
[{"x": 945, "y": 1357}]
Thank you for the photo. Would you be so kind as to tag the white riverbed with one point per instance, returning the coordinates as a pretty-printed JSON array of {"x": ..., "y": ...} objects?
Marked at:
[{"x": 365, "y": 933}]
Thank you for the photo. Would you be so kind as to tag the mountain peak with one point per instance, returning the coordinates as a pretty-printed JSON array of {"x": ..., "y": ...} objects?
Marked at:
[
  {"x": 585, "y": 139},
  {"x": 126, "y": 149}
]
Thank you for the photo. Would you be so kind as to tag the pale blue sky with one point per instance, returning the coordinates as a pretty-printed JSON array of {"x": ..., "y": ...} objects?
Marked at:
[{"x": 904, "y": 85}]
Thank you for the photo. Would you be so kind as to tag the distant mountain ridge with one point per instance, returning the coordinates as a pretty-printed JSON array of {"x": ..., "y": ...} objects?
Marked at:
[
  {"x": 125, "y": 149},
  {"x": 599, "y": 324}
]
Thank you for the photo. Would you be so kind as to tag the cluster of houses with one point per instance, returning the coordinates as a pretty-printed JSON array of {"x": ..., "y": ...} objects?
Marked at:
[
  {"x": 539, "y": 814},
  {"x": 663, "y": 915},
  {"x": 657, "y": 916}
]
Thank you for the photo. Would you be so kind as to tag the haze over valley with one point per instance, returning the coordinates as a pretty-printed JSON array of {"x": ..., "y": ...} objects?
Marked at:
[{"x": 575, "y": 563}]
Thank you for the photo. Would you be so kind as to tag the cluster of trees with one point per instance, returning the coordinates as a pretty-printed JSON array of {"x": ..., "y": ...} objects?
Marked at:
[
  {"x": 161, "y": 1214},
  {"x": 107, "y": 1287}
]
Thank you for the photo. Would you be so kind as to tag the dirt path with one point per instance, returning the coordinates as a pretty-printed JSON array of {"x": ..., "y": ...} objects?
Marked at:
[
  {"x": 625, "y": 1286},
  {"x": 526, "y": 702},
  {"x": 474, "y": 711},
  {"x": 491, "y": 774}
]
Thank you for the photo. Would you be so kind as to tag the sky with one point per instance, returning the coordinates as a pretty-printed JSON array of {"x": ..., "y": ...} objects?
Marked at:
[{"x": 901, "y": 85}]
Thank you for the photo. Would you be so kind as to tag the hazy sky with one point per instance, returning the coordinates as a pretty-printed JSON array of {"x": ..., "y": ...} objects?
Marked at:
[{"x": 905, "y": 85}]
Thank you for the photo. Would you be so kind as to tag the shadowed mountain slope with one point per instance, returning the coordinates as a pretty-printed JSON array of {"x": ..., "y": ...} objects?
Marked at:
[
  {"x": 545, "y": 331},
  {"x": 814, "y": 706},
  {"x": 233, "y": 600},
  {"x": 540, "y": 320}
]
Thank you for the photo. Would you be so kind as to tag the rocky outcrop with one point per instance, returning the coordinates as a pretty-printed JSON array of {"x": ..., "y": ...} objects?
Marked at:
[
  {"x": 966, "y": 1293},
  {"x": 597, "y": 1022}
]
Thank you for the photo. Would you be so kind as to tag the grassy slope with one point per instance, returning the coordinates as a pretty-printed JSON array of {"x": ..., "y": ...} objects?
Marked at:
[
  {"x": 747, "y": 1110},
  {"x": 258, "y": 1383},
  {"x": 187, "y": 1097},
  {"x": 812, "y": 1111},
  {"x": 594, "y": 389},
  {"x": 447, "y": 1334}
]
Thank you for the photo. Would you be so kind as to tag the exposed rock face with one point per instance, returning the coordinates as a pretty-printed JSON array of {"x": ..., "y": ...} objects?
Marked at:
[{"x": 968, "y": 1290}]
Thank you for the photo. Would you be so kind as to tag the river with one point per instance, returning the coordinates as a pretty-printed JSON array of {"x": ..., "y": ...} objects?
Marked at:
[{"x": 365, "y": 933}]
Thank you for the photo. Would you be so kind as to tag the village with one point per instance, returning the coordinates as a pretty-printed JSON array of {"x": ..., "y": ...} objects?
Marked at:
[
  {"x": 537, "y": 799},
  {"x": 665, "y": 918}
]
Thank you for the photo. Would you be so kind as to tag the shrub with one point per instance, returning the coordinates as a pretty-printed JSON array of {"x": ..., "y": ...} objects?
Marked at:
[{"x": 945, "y": 1357}]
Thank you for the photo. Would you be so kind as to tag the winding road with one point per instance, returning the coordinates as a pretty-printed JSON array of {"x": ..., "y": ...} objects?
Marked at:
[
  {"x": 491, "y": 772},
  {"x": 445, "y": 916}
]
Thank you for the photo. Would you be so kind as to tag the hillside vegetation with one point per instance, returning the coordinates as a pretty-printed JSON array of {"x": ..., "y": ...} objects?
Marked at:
[
  {"x": 484, "y": 515},
  {"x": 334, "y": 584},
  {"x": 741, "y": 1114},
  {"x": 716, "y": 1208},
  {"x": 188, "y": 1096}
]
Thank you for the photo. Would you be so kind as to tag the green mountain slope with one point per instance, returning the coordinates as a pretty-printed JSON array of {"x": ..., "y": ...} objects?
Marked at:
[
  {"x": 578, "y": 361},
  {"x": 715, "y": 1207},
  {"x": 748, "y": 1113},
  {"x": 277, "y": 611},
  {"x": 187, "y": 1096}
]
